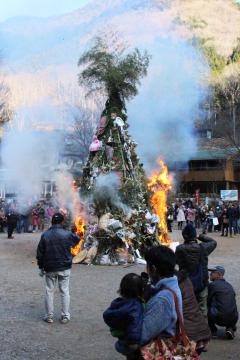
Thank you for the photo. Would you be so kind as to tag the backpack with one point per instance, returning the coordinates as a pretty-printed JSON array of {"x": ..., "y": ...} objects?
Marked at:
[{"x": 197, "y": 277}]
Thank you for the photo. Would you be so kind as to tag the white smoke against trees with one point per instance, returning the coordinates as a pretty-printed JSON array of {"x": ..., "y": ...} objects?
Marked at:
[{"x": 162, "y": 115}]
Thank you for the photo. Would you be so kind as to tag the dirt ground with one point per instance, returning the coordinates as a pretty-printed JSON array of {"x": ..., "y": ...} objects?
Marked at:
[{"x": 24, "y": 336}]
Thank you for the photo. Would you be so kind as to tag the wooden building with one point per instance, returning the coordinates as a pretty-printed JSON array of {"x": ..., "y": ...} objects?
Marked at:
[{"x": 211, "y": 169}]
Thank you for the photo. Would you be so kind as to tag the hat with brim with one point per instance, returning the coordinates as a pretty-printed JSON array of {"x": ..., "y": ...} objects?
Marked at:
[{"x": 217, "y": 268}]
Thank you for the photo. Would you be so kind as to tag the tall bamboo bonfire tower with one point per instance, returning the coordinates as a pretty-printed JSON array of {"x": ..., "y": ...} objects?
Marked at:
[{"x": 119, "y": 223}]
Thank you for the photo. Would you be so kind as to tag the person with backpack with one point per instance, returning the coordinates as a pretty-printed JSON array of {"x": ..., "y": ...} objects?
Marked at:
[{"x": 192, "y": 257}]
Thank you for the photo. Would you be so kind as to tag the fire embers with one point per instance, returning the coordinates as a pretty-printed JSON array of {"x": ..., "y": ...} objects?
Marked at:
[{"x": 159, "y": 184}]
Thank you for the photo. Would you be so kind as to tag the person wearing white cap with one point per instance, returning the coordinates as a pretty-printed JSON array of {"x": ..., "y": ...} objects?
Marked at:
[{"x": 222, "y": 307}]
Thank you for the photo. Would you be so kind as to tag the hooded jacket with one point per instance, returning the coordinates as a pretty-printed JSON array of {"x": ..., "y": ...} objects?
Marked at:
[
  {"x": 126, "y": 315},
  {"x": 54, "y": 249},
  {"x": 188, "y": 255}
]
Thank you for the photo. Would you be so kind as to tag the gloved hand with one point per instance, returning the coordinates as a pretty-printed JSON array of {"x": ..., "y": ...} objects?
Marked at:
[{"x": 42, "y": 272}]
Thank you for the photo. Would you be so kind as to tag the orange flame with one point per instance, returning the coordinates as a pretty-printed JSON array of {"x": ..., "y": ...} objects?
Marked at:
[
  {"x": 159, "y": 184},
  {"x": 79, "y": 223},
  {"x": 79, "y": 220}
]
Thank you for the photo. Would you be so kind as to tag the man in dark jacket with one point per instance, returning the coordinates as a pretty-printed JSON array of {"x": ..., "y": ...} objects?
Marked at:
[
  {"x": 12, "y": 218},
  {"x": 193, "y": 258},
  {"x": 55, "y": 262},
  {"x": 233, "y": 215},
  {"x": 222, "y": 307}
]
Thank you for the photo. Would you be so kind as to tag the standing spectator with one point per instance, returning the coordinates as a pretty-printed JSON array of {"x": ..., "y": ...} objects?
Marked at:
[
  {"x": 2, "y": 220},
  {"x": 35, "y": 219},
  {"x": 180, "y": 217},
  {"x": 50, "y": 213},
  {"x": 224, "y": 221},
  {"x": 204, "y": 219},
  {"x": 55, "y": 261},
  {"x": 19, "y": 226},
  {"x": 191, "y": 214},
  {"x": 12, "y": 219},
  {"x": 210, "y": 220},
  {"x": 30, "y": 220},
  {"x": 232, "y": 218},
  {"x": 238, "y": 220},
  {"x": 41, "y": 217},
  {"x": 169, "y": 218},
  {"x": 193, "y": 258},
  {"x": 222, "y": 307}
]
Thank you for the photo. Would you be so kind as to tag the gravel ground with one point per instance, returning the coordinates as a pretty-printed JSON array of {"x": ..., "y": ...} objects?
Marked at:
[{"x": 24, "y": 336}]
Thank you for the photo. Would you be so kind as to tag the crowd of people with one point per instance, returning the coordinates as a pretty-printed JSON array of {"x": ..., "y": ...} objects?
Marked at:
[
  {"x": 25, "y": 219},
  {"x": 171, "y": 311},
  {"x": 149, "y": 332},
  {"x": 224, "y": 218}
]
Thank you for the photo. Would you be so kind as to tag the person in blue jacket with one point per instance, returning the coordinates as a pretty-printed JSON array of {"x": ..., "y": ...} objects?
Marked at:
[{"x": 125, "y": 315}]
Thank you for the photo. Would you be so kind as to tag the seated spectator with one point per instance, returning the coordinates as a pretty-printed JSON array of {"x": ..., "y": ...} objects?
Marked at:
[
  {"x": 160, "y": 315},
  {"x": 222, "y": 307}
]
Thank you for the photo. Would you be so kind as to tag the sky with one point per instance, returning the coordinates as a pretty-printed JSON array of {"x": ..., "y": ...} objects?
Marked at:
[{"x": 41, "y": 8}]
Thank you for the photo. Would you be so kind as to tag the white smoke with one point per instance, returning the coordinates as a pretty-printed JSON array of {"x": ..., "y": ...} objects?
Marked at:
[
  {"x": 162, "y": 115},
  {"x": 29, "y": 157},
  {"x": 106, "y": 192}
]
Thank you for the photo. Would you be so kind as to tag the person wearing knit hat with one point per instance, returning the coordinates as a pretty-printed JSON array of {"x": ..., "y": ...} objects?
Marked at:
[
  {"x": 189, "y": 233},
  {"x": 192, "y": 257}
]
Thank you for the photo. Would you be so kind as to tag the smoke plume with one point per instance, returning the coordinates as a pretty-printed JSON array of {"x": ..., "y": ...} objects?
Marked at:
[{"x": 162, "y": 115}]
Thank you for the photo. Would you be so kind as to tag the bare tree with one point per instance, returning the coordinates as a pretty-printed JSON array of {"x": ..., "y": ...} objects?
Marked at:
[
  {"x": 83, "y": 130},
  {"x": 225, "y": 108},
  {"x": 5, "y": 111}
]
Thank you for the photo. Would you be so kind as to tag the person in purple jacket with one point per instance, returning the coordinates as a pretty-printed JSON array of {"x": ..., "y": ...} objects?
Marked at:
[{"x": 125, "y": 315}]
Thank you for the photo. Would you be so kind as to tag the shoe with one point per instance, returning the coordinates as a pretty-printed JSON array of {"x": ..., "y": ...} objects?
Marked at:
[
  {"x": 214, "y": 334},
  {"x": 230, "y": 334},
  {"x": 48, "y": 319},
  {"x": 200, "y": 347},
  {"x": 64, "y": 320},
  {"x": 10, "y": 237}
]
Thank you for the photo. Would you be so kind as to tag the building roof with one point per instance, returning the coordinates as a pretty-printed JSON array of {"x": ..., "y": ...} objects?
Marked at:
[
  {"x": 214, "y": 149},
  {"x": 214, "y": 154}
]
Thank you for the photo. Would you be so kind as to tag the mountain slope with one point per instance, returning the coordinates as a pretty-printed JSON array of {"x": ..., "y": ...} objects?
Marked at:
[{"x": 41, "y": 55}]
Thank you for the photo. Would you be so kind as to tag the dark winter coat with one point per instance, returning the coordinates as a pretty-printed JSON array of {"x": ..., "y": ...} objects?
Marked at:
[
  {"x": 222, "y": 301},
  {"x": 54, "y": 249},
  {"x": 188, "y": 255},
  {"x": 12, "y": 218},
  {"x": 233, "y": 213},
  {"x": 126, "y": 315},
  {"x": 194, "y": 322}
]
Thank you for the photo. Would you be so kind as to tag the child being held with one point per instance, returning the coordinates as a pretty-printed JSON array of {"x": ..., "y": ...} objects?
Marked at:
[{"x": 125, "y": 314}]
